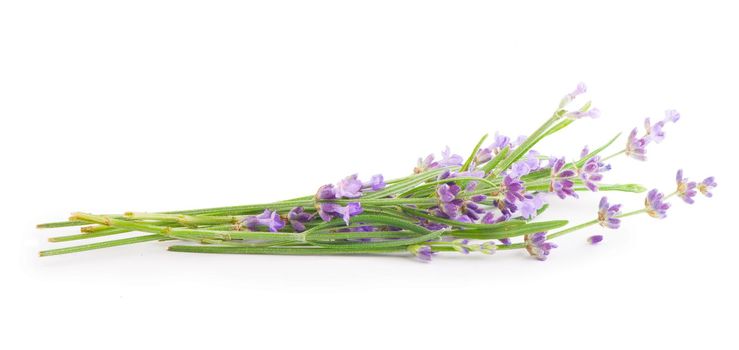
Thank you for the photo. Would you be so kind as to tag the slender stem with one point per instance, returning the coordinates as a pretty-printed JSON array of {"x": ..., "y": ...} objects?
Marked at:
[
  {"x": 590, "y": 223},
  {"x": 108, "y": 244},
  {"x": 281, "y": 250},
  {"x": 620, "y": 216},
  {"x": 614, "y": 155},
  {"x": 572, "y": 229}
]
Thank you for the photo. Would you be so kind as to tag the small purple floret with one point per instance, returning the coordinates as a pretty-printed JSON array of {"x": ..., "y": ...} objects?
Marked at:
[
  {"x": 685, "y": 189},
  {"x": 531, "y": 205},
  {"x": 328, "y": 210},
  {"x": 706, "y": 186},
  {"x": 655, "y": 205},
  {"x": 297, "y": 218},
  {"x": 595, "y": 239},
  {"x": 349, "y": 187},
  {"x": 423, "y": 253},
  {"x": 592, "y": 113},
  {"x": 636, "y": 147},
  {"x": 607, "y": 214},
  {"x": 376, "y": 183},
  {"x": 579, "y": 90},
  {"x": 538, "y": 246},
  {"x": 592, "y": 172},
  {"x": 269, "y": 219},
  {"x": 449, "y": 159},
  {"x": 560, "y": 182}
]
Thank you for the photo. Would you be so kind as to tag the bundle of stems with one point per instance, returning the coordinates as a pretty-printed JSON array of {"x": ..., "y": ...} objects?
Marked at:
[{"x": 489, "y": 201}]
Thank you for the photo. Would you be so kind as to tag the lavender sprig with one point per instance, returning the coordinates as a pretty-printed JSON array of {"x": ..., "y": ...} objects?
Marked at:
[{"x": 446, "y": 205}]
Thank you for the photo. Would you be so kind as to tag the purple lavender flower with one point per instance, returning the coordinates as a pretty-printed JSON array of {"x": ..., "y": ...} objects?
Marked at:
[
  {"x": 560, "y": 182},
  {"x": 506, "y": 207},
  {"x": 579, "y": 90},
  {"x": 595, "y": 239},
  {"x": 512, "y": 188},
  {"x": 636, "y": 147},
  {"x": 483, "y": 155},
  {"x": 685, "y": 189},
  {"x": 706, "y": 186},
  {"x": 500, "y": 142},
  {"x": 376, "y": 183},
  {"x": 447, "y": 192},
  {"x": 519, "y": 141},
  {"x": 526, "y": 165},
  {"x": 349, "y": 187},
  {"x": 328, "y": 210},
  {"x": 531, "y": 204},
  {"x": 538, "y": 246},
  {"x": 584, "y": 153},
  {"x": 592, "y": 113},
  {"x": 269, "y": 219},
  {"x": 449, "y": 159},
  {"x": 422, "y": 252},
  {"x": 607, "y": 214},
  {"x": 654, "y": 204},
  {"x": 326, "y": 192},
  {"x": 490, "y": 219},
  {"x": 297, "y": 218},
  {"x": 654, "y": 131},
  {"x": 592, "y": 172},
  {"x": 469, "y": 173},
  {"x": 425, "y": 164},
  {"x": 671, "y": 115},
  {"x": 433, "y": 226},
  {"x": 451, "y": 207}
]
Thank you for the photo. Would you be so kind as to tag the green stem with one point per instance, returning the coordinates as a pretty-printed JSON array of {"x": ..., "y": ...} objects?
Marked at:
[
  {"x": 108, "y": 244},
  {"x": 572, "y": 229},
  {"x": 614, "y": 155},
  {"x": 281, "y": 250}
]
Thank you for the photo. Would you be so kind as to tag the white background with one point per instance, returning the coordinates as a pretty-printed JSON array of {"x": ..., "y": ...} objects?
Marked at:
[{"x": 156, "y": 105}]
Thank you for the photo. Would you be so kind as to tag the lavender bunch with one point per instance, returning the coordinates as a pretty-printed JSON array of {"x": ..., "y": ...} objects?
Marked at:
[{"x": 489, "y": 201}]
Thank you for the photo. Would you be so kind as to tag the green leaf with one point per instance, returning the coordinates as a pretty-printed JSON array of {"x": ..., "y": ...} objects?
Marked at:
[
  {"x": 509, "y": 231},
  {"x": 466, "y": 164},
  {"x": 592, "y": 154},
  {"x": 497, "y": 159}
]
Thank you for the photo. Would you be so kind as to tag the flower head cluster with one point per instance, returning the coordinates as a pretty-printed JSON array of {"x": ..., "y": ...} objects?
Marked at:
[
  {"x": 455, "y": 208},
  {"x": 298, "y": 218},
  {"x": 424, "y": 253},
  {"x": 636, "y": 147},
  {"x": 269, "y": 219},
  {"x": 592, "y": 113},
  {"x": 655, "y": 205},
  {"x": 526, "y": 166},
  {"x": 706, "y": 186},
  {"x": 607, "y": 214},
  {"x": 685, "y": 189},
  {"x": 329, "y": 210},
  {"x": 348, "y": 188},
  {"x": 538, "y": 246},
  {"x": 592, "y": 172},
  {"x": 499, "y": 143},
  {"x": 579, "y": 90},
  {"x": 447, "y": 159},
  {"x": 351, "y": 187},
  {"x": 561, "y": 179}
]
